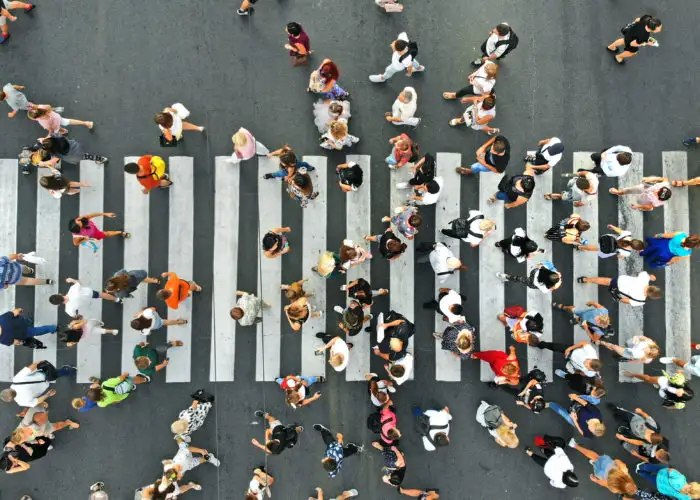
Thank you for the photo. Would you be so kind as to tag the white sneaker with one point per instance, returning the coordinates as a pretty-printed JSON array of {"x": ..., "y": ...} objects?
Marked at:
[
  {"x": 666, "y": 360},
  {"x": 58, "y": 109},
  {"x": 572, "y": 443},
  {"x": 343, "y": 287},
  {"x": 115, "y": 332},
  {"x": 401, "y": 185},
  {"x": 376, "y": 78},
  {"x": 213, "y": 460},
  {"x": 502, "y": 277},
  {"x": 338, "y": 309}
]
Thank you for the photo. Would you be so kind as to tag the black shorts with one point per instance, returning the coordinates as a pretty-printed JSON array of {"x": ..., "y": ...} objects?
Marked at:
[{"x": 629, "y": 48}]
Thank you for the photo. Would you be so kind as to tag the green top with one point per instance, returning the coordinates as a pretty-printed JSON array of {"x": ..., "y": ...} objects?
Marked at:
[
  {"x": 151, "y": 354},
  {"x": 111, "y": 396}
]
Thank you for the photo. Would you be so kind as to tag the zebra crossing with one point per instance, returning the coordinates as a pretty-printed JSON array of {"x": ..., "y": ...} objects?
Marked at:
[{"x": 316, "y": 218}]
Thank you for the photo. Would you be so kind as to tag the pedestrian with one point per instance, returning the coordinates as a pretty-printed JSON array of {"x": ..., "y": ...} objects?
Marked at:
[
  {"x": 544, "y": 277},
  {"x": 569, "y": 231},
  {"x": 384, "y": 423},
  {"x": 393, "y": 334},
  {"x": 261, "y": 482},
  {"x": 349, "y": 176},
  {"x": 406, "y": 219},
  {"x": 18, "y": 459},
  {"x": 673, "y": 389},
  {"x": 618, "y": 245},
  {"x": 193, "y": 417},
  {"x": 632, "y": 290},
  {"x": 298, "y": 312},
  {"x": 557, "y": 466},
  {"x": 612, "y": 162},
  {"x": 472, "y": 229},
  {"x": 492, "y": 156},
  {"x": 327, "y": 111},
  {"x": 275, "y": 243},
  {"x": 12, "y": 272},
  {"x": 150, "y": 172},
  {"x": 123, "y": 283},
  {"x": 404, "y": 108},
  {"x": 638, "y": 349},
  {"x": 478, "y": 115},
  {"x": 339, "y": 350},
  {"x": 278, "y": 437},
  {"x": 500, "y": 42},
  {"x": 329, "y": 265},
  {"x": 31, "y": 385},
  {"x": 18, "y": 329},
  {"x": 172, "y": 124},
  {"x": 112, "y": 391},
  {"x": 185, "y": 457},
  {"x": 583, "y": 186},
  {"x": 352, "y": 318},
  {"x": 301, "y": 188},
  {"x": 394, "y": 469},
  {"x": 498, "y": 424},
  {"x": 583, "y": 385},
  {"x": 516, "y": 190},
  {"x": 246, "y": 7},
  {"x": 525, "y": 326},
  {"x": 653, "y": 192},
  {"x": 295, "y": 290},
  {"x": 390, "y": 246},
  {"x": 248, "y": 309},
  {"x": 549, "y": 152},
  {"x": 532, "y": 394},
  {"x": 35, "y": 424},
  {"x": 14, "y": 97},
  {"x": 458, "y": 338},
  {"x": 290, "y": 164},
  {"x": 52, "y": 122},
  {"x": 669, "y": 481},
  {"x": 147, "y": 320},
  {"x": 691, "y": 367},
  {"x": 428, "y": 193},
  {"x": 58, "y": 148},
  {"x": 519, "y": 246},
  {"x": 379, "y": 390},
  {"x": 85, "y": 230},
  {"x": 481, "y": 82},
  {"x": 640, "y": 435},
  {"x": 505, "y": 366},
  {"x": 433, "y": 426},
  {"x": 337, "y": 136},
  {"x": 400, "y": 370},
  {"x": 689, "y": 182},
  {"x": 75, "y": 298},
  {"x": 448, "y": 305},
  {"x": 403, "y": 57},
  {"x": 665, "y": 249},
  {"x": 608, "y": 473},
  {"x": 83, "y": 404},
  {"x": 147, "y": 359},
  {"x": 324, "y": 81},
  {"x": 336, "y": 450},
  {"x": 442, "y": 260},
  {"x": 389, "y": 6},
  {"x": 636, "y": 34},
  {"x": 176, "y": 290},
  {"x": 58, "y": 184},
  {"x": 298, "y": 44},
  {"x": 295, "y": 388},
  {"x": 595, "y": 321},
  {"x": 402, "y": 151},
  {"x": 583, "y": 415},
  {"x": 245, "y": 147},
  {"x": 81, "y": 329},
  {"x": 361, "y": 291},
  {"x": 580, "y": 358},
  {"x": 423, "y": 172}
]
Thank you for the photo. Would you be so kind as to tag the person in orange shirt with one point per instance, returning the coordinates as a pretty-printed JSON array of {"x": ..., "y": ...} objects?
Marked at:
[
  {"x": 176, "y": 290},
  {"x": 525, "y": 326},
  {"x": 150, "y": 172}
]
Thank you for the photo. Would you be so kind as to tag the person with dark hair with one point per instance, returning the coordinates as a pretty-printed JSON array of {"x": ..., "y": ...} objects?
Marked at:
[
  {"x": 147, "y": 359},
  {"x": 569, "y": 231},
  {"x": 472, "y": 229},
  {"x": 525, "y": 326},
  {"x": 393, "y": 333},
  {"x": 361, "y": 291},
  {"x": 636, "y": 34},
  {"x": 653, "y": 192},
  {"x": 352, "y": 318},
  {"x": 500, "y": 42},
  {"x": 298, "y": 44},
  {"x": 407, "y": 220},
  {"x": 278, "y": 437},
  {"x": 515, "y": 190},
  {"x": 640, "y": 435},
  {"x": 394, "y": 469},
  {"x": 400, "y": 370},
  {"x": 441, "y": 259},
  {"x": 123, "y": 283},
  {"x": 428, "y": 193},
  {"x": 403, "y": 57},
  {"x": 84, "y": 228},
  {"x": 632, "y": 290},
  {"x": 352, "y": 255},
  {"x": 448, "y": 305},
  {"x": 176, "y": 290},
  {"x": 519, "y": 246},
  {"x": 433, "y": 426},
  {"x": 17, "y": 459},
  {"x": 248, "y": 309},
  {"x": 298, "y": 312},
  {"x": 580, "y": 358},
  {"x": 390, "y": 246},
  {"x": 557, "y": 466},
  {"x": 13, "y": 272},
  {"x": 150, "y": 172},
  {"x": 52, "y": 122},
  {"x": 672, "y": 388},
  {"x": 18, "y": 329},
  {"x": 665, "y": 249},
  {"x": 58, "y": 184},
  {"x": 16, "y": 99},
  {"x": 479, "y": 114},
  {"x": 172, "y": 124},
  {"x": 301, "y": 188},
  {"x": 324, "y": 81},
  {"x": 148, "y": 320},
  {"x": 349, "y": 176},
  {"x": 379, "y": 390},
  {"x": 424, "y": 170},
  {"x": 612, "y": 162},
  {"x": 75, "y": 299},
  {"x": 544, "y": 277},
  {"x": 492, "y": 156},
  {"x": 336, "y": 451},
  {"x": 549, "y": 152},
  {"x": 111, "y": 391},
  {"x": 80, "y": 329},
  {"x": 618, "y": 245},
  {"x": 532, "y": 395},
  {"x": 582, "y": 186},
  {"x": 290, "y": 163},
  {"x": 275, "y": 243},
  {"x": 68, "y": 150}
]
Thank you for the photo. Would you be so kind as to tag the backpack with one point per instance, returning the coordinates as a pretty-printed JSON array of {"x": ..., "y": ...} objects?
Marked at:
[
  {"x": 512, "y": 43},
  {"x": 492, "y": 417},
  {"x": 608, "y": 244},
  {"x": 351, "y": 175},
  {"x": 415, "y": 153},
  {"x": 374, "y": 422},
  {"x": 412, "y": 51}
]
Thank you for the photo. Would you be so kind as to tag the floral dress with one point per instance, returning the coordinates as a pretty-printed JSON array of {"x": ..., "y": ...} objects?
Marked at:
[{"x": 195, "y": 417}]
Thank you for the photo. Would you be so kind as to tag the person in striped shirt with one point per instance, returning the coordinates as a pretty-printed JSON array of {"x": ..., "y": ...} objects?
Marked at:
[{"x": 12, "y": 272}]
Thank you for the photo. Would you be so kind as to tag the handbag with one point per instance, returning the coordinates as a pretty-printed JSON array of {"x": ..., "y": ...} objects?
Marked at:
[
  {"x": 315, "y": 83},
  {"x": 469, "y": 116},
  {"x": 300, "y": 59},
  {"x": 165, "y": 143},
  {"x": 47, "y": 369}
]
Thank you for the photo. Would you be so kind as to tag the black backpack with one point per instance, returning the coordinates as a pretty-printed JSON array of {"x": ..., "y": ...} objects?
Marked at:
[
  {"x": 351, "y": 175},
  {"x": 511, "y": 43},
  {"x": 412, "y": 51},
  {"x": 608, "y": 244}
]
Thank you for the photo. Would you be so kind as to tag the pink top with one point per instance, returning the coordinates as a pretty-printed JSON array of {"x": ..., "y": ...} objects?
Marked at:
[
  {"x": 90, "y": 230},
  {"x": 51, "y": 122},
  {"x": 248, "y": 150}
]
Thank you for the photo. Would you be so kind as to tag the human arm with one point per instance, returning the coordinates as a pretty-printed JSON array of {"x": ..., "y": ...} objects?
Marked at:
[
  {"x": 520, "y": 200},
  {"x": 240, "y": 293},
  {"x": 568, "y": 350},
  {"x": 310, "y": 400},
  {"x": 629, "y": 440},
  {"x": 277, "y": 152},
  {"x": 99, "y": 214},
  {"x": 72, "y": 280},
  {"x": 162, "y": 365},
  {"x": 654, "y": 179},
  {"x": 641, "y": 413},
  {"x": 385, "y": 357},
  {"x": 257, "y": 444},
  {"x": 17, "y": 465}
]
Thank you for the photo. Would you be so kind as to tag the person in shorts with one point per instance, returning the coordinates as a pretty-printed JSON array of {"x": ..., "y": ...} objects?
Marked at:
[
  {"x": 636, "y": 34},
  {"x": 278, "y": 437},
  {"x": 349, "y": 176},
  {"x": 123, "y": 282},
  {"x": 150, "y": 172},
  {"x": 84, "y": 228},
  {"x": 14, "y": 98},
  {"x": 492, "y": 156},
  {"x": 549, "y": 152},
  {"x": 176, "y": 290},
  {"x": 147, "y": 319},
  {"x": 75, "y": 298},
  {"x": 5, "y": 15},
  {"x": 582, "y": 187},
  {"x": 632, "y": 290},
  {"x": 390, "y": 246}
]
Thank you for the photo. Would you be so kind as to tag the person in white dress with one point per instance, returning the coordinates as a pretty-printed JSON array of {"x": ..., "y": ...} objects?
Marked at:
[
  {"x": 337, "y": 136},
  {"x": 171, "y": 122},
  {"x": 481, "y": 82},
  {"x": 404, "y": 108},
  {"x": 327, "y": 111}
]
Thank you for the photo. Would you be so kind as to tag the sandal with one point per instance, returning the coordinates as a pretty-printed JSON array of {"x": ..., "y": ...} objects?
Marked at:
[
  {"x": 678, "y": 183},
  {"x": 614, "y": 51},
  {"x": 449, "y": 95},
  {"x": 195, "y": 486},
  {"x": 126, "y": 235},
  {"x": 619, "y": 62},
  {"x": 581, "y": 279},
  {"x": 547, "y": 196},
  {"x": 454, "y": 122}
]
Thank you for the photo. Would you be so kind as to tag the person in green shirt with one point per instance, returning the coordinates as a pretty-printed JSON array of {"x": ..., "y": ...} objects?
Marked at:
[
  {"x": 113, "y": 390},
  {"x": 146, "y": 358}
]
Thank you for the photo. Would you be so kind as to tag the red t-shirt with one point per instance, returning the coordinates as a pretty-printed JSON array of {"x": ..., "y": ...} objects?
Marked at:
[{"x": 145, "y": 175}]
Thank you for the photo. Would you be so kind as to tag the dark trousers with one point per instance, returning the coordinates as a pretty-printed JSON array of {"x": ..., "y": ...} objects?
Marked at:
[
  {"x": 552, "y": 346},
  {"x": 451, "y": 233},
  {"x": 547, "y": 449},
  {"x": 623, "y": 418},
  {"x": 468, "y": 90},
  {"x": 577, "y": 382},
  {"x": 348, "y": 449}
]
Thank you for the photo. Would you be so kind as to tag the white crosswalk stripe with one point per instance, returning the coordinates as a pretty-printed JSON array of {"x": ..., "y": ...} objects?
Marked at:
[{"x": 316, "y": 218}]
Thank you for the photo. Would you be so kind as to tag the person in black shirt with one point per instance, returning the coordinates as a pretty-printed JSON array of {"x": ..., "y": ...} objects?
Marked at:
[
  {"x": 68, "y": 150},
  {"x": 492, "y": 156},
  {"x": 519, "y": 246},
  {"x": 278, "y": 437},
  {"x": 362, "y": 292},
  {"x": 390, "y": 245},
  {"x": 423, "y": 172},
  {"x": 397, "y": 330},
  {"x": 636, "y": 34},
  {"x": 516, "y": 190},
  {"x": 531, "y": 396}
]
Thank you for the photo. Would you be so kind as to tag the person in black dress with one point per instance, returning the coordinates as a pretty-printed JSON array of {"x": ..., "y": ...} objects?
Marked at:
[
  {"x": 17, "y": 459},
  {"x": 635, "y": 35}
]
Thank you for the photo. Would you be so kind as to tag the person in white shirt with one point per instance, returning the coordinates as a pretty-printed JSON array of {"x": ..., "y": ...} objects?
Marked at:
[
  {"x": 442, "y": 260},
  {"x": 581, "y": 188},
  {"x": 30, "y": 386},
  {"x": 472, "y": 229},
  {"x": 448, "y": 304},
  {"x": 403, "y": 57},
  {"x": 428, "y": 193},
  {"x": 613, "y": 162},
  {"x": 638, "y": 349},
  {"x": 404, "y": 108},
  {"x": 519, "y": 246},
  {"x": 618, "y": 245},
  {"x": 500, "y": 42},
  {"x": 549, "y": 152},
  {"x": 481, "y": 82},
  {"x": 78, "y": 296},
  {"x": 400, "y": 370},
  {"x": 434, "y": 426},
  {"x": 632, "y": 290},
  {"x": 339, "y": 351},
  {"x": 557, "y": 466},
  {"x": 580, "y": 358}
]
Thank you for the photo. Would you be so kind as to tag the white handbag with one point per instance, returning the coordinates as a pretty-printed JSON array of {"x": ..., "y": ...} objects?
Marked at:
[
  {"x": 33, "y": 258},
  {"x": 181, "y": 110},
  {"x": 469, "y": 116}
]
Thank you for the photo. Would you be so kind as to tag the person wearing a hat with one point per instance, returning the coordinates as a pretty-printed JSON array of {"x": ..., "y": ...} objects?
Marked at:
[{"x": 549, "y": 152}]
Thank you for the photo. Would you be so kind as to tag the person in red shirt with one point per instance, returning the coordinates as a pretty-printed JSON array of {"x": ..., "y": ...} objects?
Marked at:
[
  {"x": 401, "y": 152},
  {"x": 505, "y": 366},
  {"x": 176, "y": 290},
  {"x": 150, "y": 172}
]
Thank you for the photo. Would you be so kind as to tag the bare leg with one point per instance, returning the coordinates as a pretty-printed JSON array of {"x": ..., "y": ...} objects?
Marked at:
[
  {"x": 589, "y": 454},
  {"x": 195, "y": 286},
  {"x": 189, "y": 126},
  {"x": 624, "y": 55},
  {"x": 690, "y": 182},
  {"x": 107, "y": 296},
  {"x": 81, "y": 123},
  {"x": 598, "y": 281},
  {"x": 370, "y": 238},
  {"x": 589, "y": 248},
  {"x": 679, "y": 362},
  {"x": 17, "y": 5},
  {"x": 66, "y": 423},
  {"x": 111, "y": 234},
  {"x": 173, "y": 322},
  {"x": 189, "y": 486},
  {"x": 617, "y": 43},
  {"x": 32, "y": 282},
  {"x": 245, "y": 5},
  {"x": 151, "y": 280},
  {"x": 317, "y": 314},
  {"x": 644, "y": 378}
]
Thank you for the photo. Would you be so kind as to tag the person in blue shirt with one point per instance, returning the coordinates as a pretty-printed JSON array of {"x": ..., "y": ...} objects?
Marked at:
[
  {"x": 669, "y": 481},
  {"x": 15, "y": 328},
  {"x": 335, "y": 451},
  {"x": 14, "y": 273},
  {"x": 83, "y": 404},
  {"x": 668, "y": 248}
]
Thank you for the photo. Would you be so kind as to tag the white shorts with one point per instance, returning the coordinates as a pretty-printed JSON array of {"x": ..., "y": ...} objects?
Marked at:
[
  {"x": 3, "y": 20},
  {"x": 274, "y": 424},
  {"x": 65, "y": 122}
]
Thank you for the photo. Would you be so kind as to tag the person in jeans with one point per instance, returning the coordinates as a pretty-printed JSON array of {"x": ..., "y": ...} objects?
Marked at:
[
  {"x": 516, "y": 190},
  {"x": 557, "y": 466},
  {"x": 336, "y": 451},
  {"x": 248, "y": 309},
  {"x": 640, "y": 435},
  {"x": 492, "y": 156},
  {"x": 632, "y": 290},
  {"x": 403, "y": 57},
  {"x": 583, "y": 415},
  {"x": 147, "y": 320},
  {"x": 296, "y": 388},
  {"x": 669, "y": 481},
  {"x": 290, "y": 163},
  {"x": 278, "y": 437},
  {"x": 608, "y": 473},
  {"x": 612, "y": 162},
  {"x": 594, "y": 321},
  {"x": 17, "y": 329},
  {"x": 14, "y": 273}
]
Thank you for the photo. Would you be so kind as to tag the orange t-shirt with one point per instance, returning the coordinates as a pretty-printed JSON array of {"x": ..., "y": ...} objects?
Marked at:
[
  {"x": 145, "y": 175},
  {"x": 180, "y": 291}
]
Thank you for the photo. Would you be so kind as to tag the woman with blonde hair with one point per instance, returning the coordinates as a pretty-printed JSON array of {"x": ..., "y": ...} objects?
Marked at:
[
  {"x": 608, "y": 473},
  {"x": 295, "y": 290},
  {"x": 298, "y": 312},
  {"x": 337, "y": 136},
  {"x": 669, "y": 481},
  {"x": 193, "y": 417},
  {"x": 499, "y": 426},
  {"x": 638, "y": 349},
  {"x": 52, "y": 122},
  {"x": 245, "y": 147},
  {"x": 339, "y": 350},
  {"x": 329, "y": 265}
]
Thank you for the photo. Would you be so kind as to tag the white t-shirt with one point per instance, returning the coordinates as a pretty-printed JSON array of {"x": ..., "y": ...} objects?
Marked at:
[
  {"x": 381, "y": 385},
  {"x": 77, "y": 295},
  {"x": 256, "y": 488},
  {"x": 28, "y": 394},
  {"x": 340, "y": 347},
  {"x": 515, "y": 250},
  {"x": 450, "y": 299},
  {"x": 438, "y": 259},
  {"x": 405, "y": 110},
  {"x": 552, "y": 159},
  {"x": 636, "y": 347},
  {"x": 395, "y": 56},
  {"x": 432, "y": 198},
  {"x": 148, "y": 314},
  {"x": 482, "y": 83},
  {"x": 578, "y": 357},
  {"x": 491, "y": 49},
  {"x": 474, "y": 227},
  {"x": 436, "y": 418},
  {"x": 479, "y": 109},
  {"x": 556, "y": 466},
  {"x": 610, "y": 165},
  {"x": 407, "y": 363},
  {"x": 634, "y": 287}
]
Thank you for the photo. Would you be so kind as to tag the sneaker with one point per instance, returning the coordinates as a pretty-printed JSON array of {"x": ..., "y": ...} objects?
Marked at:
[
  {"x": 625, "y": 431},
  {"x": 371, "y": 374},
  {"x": 74, "y": 368},
  {"x": 636, "y": 467},
  {"x": 343, "y": 288},
  {"x": 417, "y": 123},
  {"x": 560, "y": 373},
  {"x": 58, "y": 109},
  {"x": 119, "y": 301},
  {"x": 689, "y": 141},
  {"x": 376, "y": 78},
  {"x": 402, "y": 185},
  {"x": 260, "y": 413},
  {"x": 529, "y": 158},
  {"x": 437, "y": 336},
  {"x": 572, "y": 443},
  {"x": 115, "y": 332},
  {"x": 212, "y": 460},
  {"x": 360, "y": 447},
  {"x": 494, "y": 131},
  {"x": 268, "y": 176},
  {"x": 338, "y": 309},
  {"x": 666, "y": 360},
  {"x": 30, "y": 8},
  {"x": 319, "y": 428},
  {"x": 243, "y": 12},
  {"x": 4, "y": 38},
  {"x": 502, "y": 277},
  {"x": 391, "y": 389},
  {"x": 477, "y": 63}
]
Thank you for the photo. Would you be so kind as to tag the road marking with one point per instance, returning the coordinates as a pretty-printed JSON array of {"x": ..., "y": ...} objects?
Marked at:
[{"x": 8, "y": 244}]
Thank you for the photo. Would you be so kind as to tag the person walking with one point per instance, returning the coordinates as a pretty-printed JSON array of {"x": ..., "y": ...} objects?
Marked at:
[
  {"x": 290, "y": 164},
  {"x": 673, "y": 389},
  {"x": 58, "y": 184},
  {"x": 570, "y": 231},
  {"x": 52, "y": 122},
  {"x": 472, "y": 229},
  {"x": 379, "y": 390},
  {"x": 123, "y": 283},
  {"x": 246, "y": 9},
  {"x": 111, "y": 391},
  {"x": 423, "y": 171},
  {"x": 478, "y": 114},
  {"x": 525, "y": 326},
  {"x": 261, "y": 482},
  {"x": 653, "y": 192},
  {"x": 549, "y": 152},
  {"x": 500, "y": 42},
  {"x": 85, "y": 230},
  {"x": 640, "y": 435},
  {"x": 434, "y": 427},
  {"x": 295, "y": 388},
  {"x": 557, "y": 466},
  {"x": 13, "y": 272},
  {"x": 147, "y": 320},
  {"x": 618, "y": 245},
  {"x": 275, "y": 243},
  {"x": 18, "y": 459},
  {"x": 458, "y": 339},
  {"x": 669, "y": 481},
  {"x": 580, "y": 358},
  {"x": 324, "y": 81},
  {"x": 384, "y": 423},
  {"x": 82, "y": 329},
  {"x": 14, "y": 97},
  {"x": 349, "y": 176},
  {"x": 390, "y": 246},
  {"x": 665, "y": 249},
  {"x": 172, "y": 124},
  {"x": 176, "y": 290},
  {"x": 632, "y": 290},
  {"x": 637, "y": 349},
  {"x": 442, "y": 260},
  {"x": 295, "y": 290},
  {"x": 519, "y": 246},
  {"x": 248, "y": 309},
  {"x": 193, "y": 417},
  {"x": 407, "y": 220},
  {"x": 352, "y": 318},
  {"x": 329, "y": 265},
  {"x": 298, "y": 44},
  {"x": 516, "y": 190},
  {"x": 448, "y": 305},
  {"x": 300, "y": 188},
  {"x": 17, "y": 329},
  {"x": 544, "y": 277},
  {"x": 339, "y": 355},
  {"x": 336, "y": 450},
  {"x": 337, "y": 137},
  {"x": 76, "y": 297},
  {"x": 492, "y": 418},
  {"x": 298, "y": 312},
  {"x": 481, "y": 82},
  {"x": 394, "y": 469},
  {"x": 492, "y": 156},
  {"x": 594, "y": 321},
  {"x": 428, "y": 193},
  {"x": 58, "y": 148},
  {"x": 327, "y": 111},
  {"x": 361, "y": 291},
  {"x": 404, "y": 108},
  {"x": 532, "y": 394},
  {"x": 583, "y": 186},
  {"x": 636, "y": 34},
  {"x": 401, "y": 152},
  {"x": 150, "y": 172},
  {"x": 245, "y": 147},
  {"x": 691, "y": 367},
  {"x": 608, "y": 473},
  {"x": 147, "y": 359},
  {"x": 30, "y": 386},
  {"x": 505, "y": 366},
  {"x": 393, "y": 333},
  {"x": 612, "y": 162},
  {"x": 582, "y": 414},
  {"x": 278, "y": 437},
  {"x": 403, "y": 57},
  {"x": 186, "y": 460}
]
